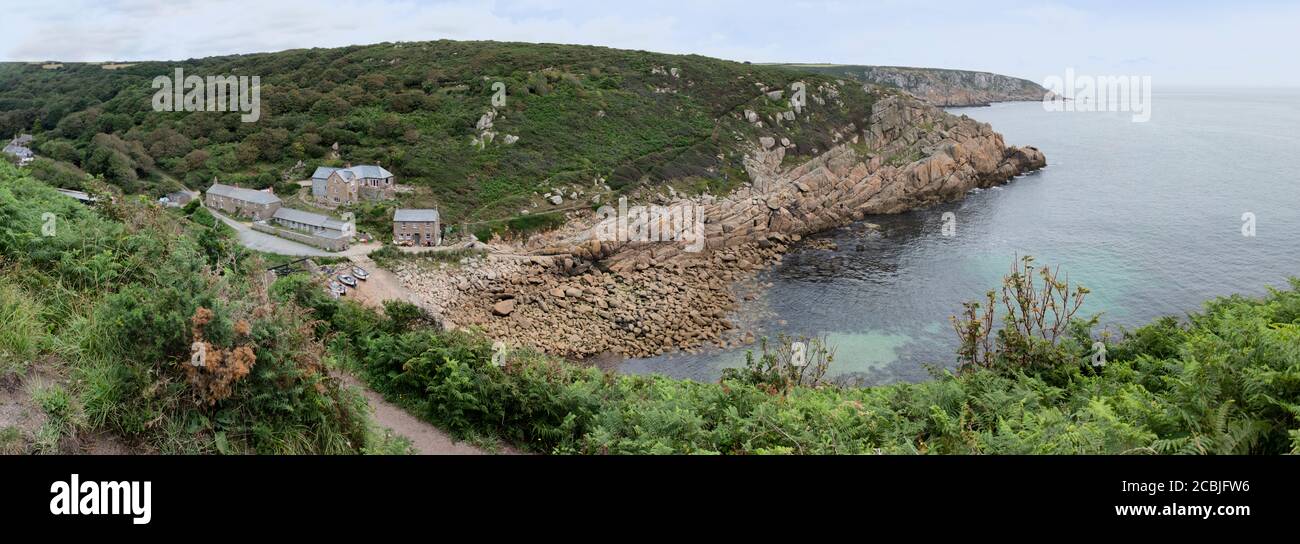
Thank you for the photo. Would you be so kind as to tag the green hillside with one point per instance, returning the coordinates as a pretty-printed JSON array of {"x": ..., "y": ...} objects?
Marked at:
[
  {"x": 581, "y": 114},
  {"x": 103, "y": 310}
]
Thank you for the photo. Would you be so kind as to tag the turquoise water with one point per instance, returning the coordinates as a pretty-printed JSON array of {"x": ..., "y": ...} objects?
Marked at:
[{"x": 1146, "y": 215}]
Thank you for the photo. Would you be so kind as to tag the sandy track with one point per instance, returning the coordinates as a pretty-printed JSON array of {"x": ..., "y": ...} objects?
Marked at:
[{"x": 425, "y": 438}]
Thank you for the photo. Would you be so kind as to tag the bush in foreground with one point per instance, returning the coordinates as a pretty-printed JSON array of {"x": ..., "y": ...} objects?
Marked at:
[
  {"x": 1227, "y": 381},
  {"x": 120, "y": 289}
]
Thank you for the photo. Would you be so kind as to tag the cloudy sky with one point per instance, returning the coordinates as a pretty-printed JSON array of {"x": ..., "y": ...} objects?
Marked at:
[{"x": 1191, "y": 42}]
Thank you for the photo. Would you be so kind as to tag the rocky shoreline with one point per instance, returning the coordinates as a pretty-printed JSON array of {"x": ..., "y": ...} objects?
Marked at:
[
  {"x": 580, "y": 296},
  {"x": 578, "y": 311}
]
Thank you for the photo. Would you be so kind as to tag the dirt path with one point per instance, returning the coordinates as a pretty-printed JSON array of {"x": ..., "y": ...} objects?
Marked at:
[{"x": 425, "y": 438}]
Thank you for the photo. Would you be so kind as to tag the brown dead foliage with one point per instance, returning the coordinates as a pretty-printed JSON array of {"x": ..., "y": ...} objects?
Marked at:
[{"x": 221, "y": 368}]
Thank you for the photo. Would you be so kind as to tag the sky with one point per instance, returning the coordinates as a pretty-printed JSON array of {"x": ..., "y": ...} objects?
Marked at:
[{"x": 1193, "y": 42}]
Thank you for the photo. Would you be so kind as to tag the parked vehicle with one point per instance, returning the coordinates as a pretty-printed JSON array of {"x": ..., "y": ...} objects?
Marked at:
[
  {"x": 360, "y": 273},
  {"x": 348, "y": 280},
  {"x": 337, "y": 289}
]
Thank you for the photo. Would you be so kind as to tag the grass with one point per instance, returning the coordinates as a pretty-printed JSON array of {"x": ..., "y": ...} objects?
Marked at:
[
  {"x": 125, "y": 289},
  {"x": 904, "y": 157},
  {"x": 389, "y": 257},
  {"x": 519, "y": 225},
  {"x": 61, "y": 417},
  {"x": 23, "y": 334},
  {"x": 297, "y": 202},
  {"x": 11, "y": 441}
]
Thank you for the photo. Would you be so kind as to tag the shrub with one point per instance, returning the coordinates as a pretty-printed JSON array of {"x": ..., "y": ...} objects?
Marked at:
[
  {"x": 1038, "y": 321},
  {"x": 1226, "y": 382},
  {"x": 126, "y": 300},
  {"x": 791, "y": 363}
]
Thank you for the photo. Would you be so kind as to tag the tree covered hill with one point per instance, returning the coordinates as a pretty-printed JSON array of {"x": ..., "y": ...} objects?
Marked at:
[{"x": 583, "y": 117}]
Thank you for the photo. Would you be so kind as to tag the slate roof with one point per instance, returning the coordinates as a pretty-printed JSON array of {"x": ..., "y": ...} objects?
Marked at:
[
  {"x": 359, "y": 171},
  {"x": 415, "y": 215},
  {"x": 308, "y": 218},
  {"x": 18, "y": 150},
  {"x": 371, "y": 171},
  {"x": 240, "y": 193},
  {"x": 323, "y": 172}
]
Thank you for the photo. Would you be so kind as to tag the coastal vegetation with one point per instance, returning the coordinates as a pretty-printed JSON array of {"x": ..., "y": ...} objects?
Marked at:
[
  {"x": 390, "y": 257},
  {"x": 584, "y": 118},
  {"x": 127, "y": 289},
  {"x": 1226, "y": 380},
  {"x": 106, "y": 310}
]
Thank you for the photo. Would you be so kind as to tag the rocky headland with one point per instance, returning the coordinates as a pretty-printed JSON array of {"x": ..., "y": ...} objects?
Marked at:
[
  {"x": 580, "y": 296},
  {"x": 940, "y": 87}
]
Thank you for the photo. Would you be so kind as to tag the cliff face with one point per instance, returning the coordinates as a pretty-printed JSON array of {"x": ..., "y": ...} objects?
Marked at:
[
  {"x": 912, "y": 155},
  {"x": 581, "y": 296},
  {"x": 943, "y": 88}
]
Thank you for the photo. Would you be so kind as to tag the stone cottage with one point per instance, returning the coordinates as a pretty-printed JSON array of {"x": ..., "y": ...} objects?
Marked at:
[
  {"x": 320, "y": 230},
  {"x": 259, "y": 205},
  {"x": 341, "y": 186},
  {"x": 18, "y": 147},
  {"x": 417, "y": 227}
]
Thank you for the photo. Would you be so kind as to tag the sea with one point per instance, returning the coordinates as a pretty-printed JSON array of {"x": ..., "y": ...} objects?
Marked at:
[{"x": 1154, "y": 218}]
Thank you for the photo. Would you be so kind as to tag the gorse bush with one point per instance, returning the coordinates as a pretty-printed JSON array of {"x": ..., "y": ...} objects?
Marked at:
[{"x": 120, "y": 293}]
